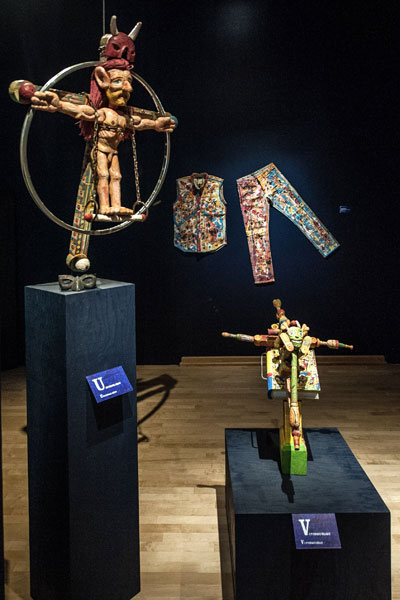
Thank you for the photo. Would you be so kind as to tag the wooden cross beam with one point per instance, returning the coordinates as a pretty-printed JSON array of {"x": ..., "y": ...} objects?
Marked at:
[{"x": 22, "y": 90}]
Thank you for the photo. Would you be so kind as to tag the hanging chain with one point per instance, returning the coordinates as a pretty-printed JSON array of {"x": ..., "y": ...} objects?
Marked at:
[{"x": 135, "y": 166}]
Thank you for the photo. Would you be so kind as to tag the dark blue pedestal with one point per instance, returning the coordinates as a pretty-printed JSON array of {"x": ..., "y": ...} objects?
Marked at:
[
  {"x": 83, "y": 482},
  {"x": 260, "y": 501}
]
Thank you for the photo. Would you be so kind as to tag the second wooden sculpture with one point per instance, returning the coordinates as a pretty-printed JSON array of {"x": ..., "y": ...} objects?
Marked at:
[{"x": 291, "y": 374}]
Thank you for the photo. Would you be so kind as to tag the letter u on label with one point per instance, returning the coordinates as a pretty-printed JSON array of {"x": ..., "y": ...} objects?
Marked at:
[{"x": 100, "y": 386}]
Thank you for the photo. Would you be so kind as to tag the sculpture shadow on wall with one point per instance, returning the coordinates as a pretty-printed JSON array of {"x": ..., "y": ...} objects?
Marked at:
[
  {"x": 267, "y": 443},
  {"x": 149, "y": 388}
]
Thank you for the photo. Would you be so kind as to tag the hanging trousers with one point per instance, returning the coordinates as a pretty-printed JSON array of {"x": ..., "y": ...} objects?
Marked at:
[{"x": 256, "y": 192}]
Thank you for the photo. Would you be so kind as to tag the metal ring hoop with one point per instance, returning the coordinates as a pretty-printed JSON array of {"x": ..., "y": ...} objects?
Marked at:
[{"x": 24, "y": 157}]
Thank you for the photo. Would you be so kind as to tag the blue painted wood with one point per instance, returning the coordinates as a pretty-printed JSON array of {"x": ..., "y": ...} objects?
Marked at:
[
  {"x": 260, "y": 501},
  {"x": 82, "y": 456}
]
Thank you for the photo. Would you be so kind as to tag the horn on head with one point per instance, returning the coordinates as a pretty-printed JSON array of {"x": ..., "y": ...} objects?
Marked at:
[
  {"x": 134, "y": 33},
  {"x": 113, "y": 25}
]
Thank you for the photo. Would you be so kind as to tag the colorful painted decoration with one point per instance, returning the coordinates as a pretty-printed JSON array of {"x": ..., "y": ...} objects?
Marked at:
[
  {"x": 291, "y": 374},
  {"x": 199, "y": 214},
  {"x": 256, "y": 192}
]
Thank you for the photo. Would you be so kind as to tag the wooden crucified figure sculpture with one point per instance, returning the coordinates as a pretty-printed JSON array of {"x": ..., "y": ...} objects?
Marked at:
[
  {"x": 105, "y": 120},
  {"x": 111, "y": 87}
]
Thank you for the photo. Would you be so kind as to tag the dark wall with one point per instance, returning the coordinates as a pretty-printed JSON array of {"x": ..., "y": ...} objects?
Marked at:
[{"x": 306, "y": 85}]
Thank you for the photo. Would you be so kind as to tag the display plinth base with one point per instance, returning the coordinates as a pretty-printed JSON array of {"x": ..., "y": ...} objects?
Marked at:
[
  {"x": 82, "y": 456},
  {"x": 260, "y": 501}
]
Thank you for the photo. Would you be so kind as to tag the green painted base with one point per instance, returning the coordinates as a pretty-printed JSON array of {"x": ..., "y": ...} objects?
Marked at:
[{"x": 293, "y": 462}]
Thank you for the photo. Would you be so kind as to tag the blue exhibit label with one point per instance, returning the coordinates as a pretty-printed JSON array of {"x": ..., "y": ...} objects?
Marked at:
[
  {"x": 109, "y": 384},
  {"x": 316, "y": 532}
]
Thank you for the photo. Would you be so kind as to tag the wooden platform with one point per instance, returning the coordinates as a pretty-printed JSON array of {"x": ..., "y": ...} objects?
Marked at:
[{"x": 183, "y": 411}]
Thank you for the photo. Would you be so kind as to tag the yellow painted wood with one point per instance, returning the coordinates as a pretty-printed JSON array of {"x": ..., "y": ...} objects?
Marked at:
[{"x": 183, "y": 413}]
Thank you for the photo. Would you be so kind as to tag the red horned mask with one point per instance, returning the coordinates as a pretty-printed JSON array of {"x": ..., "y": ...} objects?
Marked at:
[{"x": 120, "y": 45}]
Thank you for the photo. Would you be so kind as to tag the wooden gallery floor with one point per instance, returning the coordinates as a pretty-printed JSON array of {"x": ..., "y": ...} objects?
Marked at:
[{"x": 183, "y": 411}]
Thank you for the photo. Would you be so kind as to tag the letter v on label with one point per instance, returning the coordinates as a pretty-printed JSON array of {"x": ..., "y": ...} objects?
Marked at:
[{"x": 305, "y": 526}]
